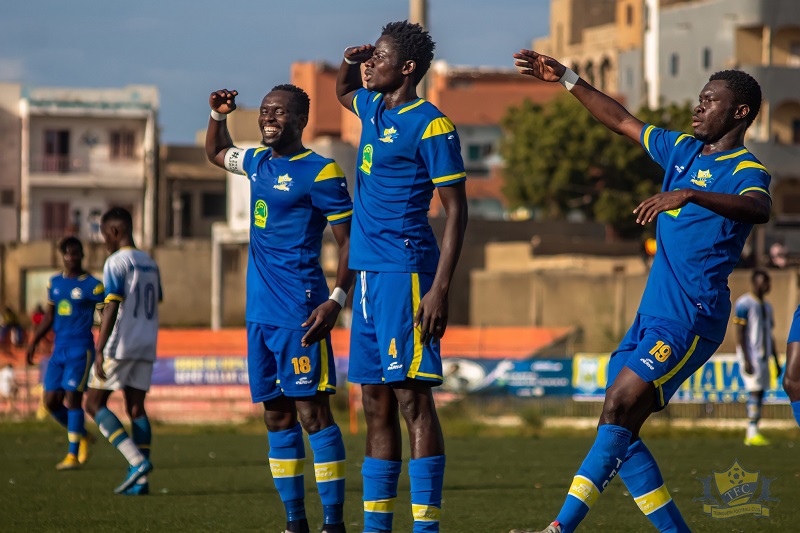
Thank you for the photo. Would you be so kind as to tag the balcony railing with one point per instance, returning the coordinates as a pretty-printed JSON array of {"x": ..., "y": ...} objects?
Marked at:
[{"x": 59, "y": 164}]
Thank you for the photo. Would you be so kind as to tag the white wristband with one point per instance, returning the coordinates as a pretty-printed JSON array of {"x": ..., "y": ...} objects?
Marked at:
[
  {"x": 569, "y": 79},
  {"x": 219, "y": 117},
  {"x": 349, "y": 61},
  {"x": 339, "y": 296}
]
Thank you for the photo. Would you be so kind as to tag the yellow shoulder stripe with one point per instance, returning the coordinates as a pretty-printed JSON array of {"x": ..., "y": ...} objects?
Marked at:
[
  {"x": 750, "y": 164},
  {"x": 331, "y": 170},
  {"x": 438, "y": 126},
  {"x": 412, "y": 106},
  {"x": 681, "y": 137},
  {"x": 259, "y": 150},
  {"x": 646, "y": 138},
  {"x": 733, "y": 155},
  {"x": 301, "y": 156},
  {"x": 377, "y": 96}
]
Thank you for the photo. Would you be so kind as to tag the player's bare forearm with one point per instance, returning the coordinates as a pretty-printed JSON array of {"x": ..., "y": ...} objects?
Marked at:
[
  {"x": 218, "y": 141},
  {"x": 348, "y": 81},
  {"x": 750, "y": 208},
  {"x": 110, "y": 312},
  {"x": 44, "y": 326},
  {"x": 454, "y": 200},
  {"x": 344, "y": 276}
]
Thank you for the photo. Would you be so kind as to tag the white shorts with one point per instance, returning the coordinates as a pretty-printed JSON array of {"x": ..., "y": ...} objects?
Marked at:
[
  {"x": 121, "y": 373},
  {"x": 759, "y": 380}
]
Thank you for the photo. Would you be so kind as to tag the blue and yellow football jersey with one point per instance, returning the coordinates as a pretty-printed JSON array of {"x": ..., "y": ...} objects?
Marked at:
[
  {"x": 292, "y": 199},
  {"x": 75, "y": 300},
  {"x": 405, "y": 153},
  {"x": 697, "y": 249}
]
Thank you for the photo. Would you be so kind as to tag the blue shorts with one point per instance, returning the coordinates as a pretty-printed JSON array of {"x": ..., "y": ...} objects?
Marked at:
[
  {"x": 68, "y": 368},
  {"x": 660, "y": 352},
  {"x": 384, "y": 345},
  {"x": 794, "y": 331},
  {"x": 277, "y": 364}
]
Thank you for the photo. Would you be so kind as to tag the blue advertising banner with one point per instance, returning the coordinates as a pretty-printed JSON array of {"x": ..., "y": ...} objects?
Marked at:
[
  {"x": 528, "y": 378},
  {"x": 718, "y": 381}
]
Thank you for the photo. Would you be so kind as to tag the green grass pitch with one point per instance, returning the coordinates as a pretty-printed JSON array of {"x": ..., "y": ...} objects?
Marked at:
[{"x": 216, "y": 479}]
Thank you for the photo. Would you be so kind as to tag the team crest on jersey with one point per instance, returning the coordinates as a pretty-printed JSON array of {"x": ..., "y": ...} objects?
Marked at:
[
  {"x": 703, "y": 178},
  {"x": 260, "y": 213},
  {"x": 283, "y": 183},
  {"x": 389, "y": 135},
  {"x": 64, "y": 308},
  {"x": 366, "y": 159},
  {"x": 76, "y": 293}
]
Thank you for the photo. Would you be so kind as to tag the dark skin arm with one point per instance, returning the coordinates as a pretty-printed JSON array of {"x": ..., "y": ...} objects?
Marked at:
[
  {"x": 348, "y": 81},
  {"x": 751, "y": 208},
  {"x": 218, "y": 140},
  {"x": 741, "y": 340},
  {"x": 775, "y": 356},
  {"x": 106, "y": 326},
  {"x": 45, "y": 326},
  {"x": 432, "y": 313},
  {"x": 323, "y": 318}
]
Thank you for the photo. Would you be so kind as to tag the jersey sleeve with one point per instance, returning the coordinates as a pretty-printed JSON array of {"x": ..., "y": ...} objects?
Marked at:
[
  {"x": 114, "y": 281},
  {"x": 50, "y": 297},
  {"x": 740, "y": 316},
  {"x": 329, "y": 194},
  {"x": 363, "y": 101},
  {"x": 440, "y": 149},
  {"x": 751, "y": 176},
  {"x": 659, "y": 143}
]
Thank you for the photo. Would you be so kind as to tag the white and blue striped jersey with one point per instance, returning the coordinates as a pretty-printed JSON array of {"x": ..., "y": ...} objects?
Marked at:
[{"x": 131, "y": 277}]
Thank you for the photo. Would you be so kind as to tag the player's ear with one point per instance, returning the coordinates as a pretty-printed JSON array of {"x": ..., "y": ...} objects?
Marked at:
[
  {"x": 742, "y": 110},
  {"x": 302, "y": 121},
  {"x": 409, "y": 66}
]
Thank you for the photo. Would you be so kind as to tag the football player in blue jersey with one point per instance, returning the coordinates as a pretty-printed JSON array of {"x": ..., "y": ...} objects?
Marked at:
[
  {"x": 294, "y": 194},
  {"x": 714, "y": 190},
  {"x": 72, "y": 297},
  {"x": 791, "y": 376},
  {"x": 408, "y": 148}
]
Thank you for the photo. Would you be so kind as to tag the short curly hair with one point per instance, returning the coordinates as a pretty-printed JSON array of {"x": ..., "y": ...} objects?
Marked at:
[
  {"x": 412, "y": 42},
  {"x": 300, "y": 98},
  {"x": 66, "y": 242},
  {"x": 745, "y": 88}
]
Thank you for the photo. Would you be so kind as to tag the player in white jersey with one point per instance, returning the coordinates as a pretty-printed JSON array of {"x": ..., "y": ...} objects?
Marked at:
[
  {"x": 754, "y": 344},
  {"x": 126, "y": 347}
]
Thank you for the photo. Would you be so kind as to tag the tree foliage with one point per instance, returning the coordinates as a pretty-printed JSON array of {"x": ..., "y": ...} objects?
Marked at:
[{"x": 559, "y": 158}]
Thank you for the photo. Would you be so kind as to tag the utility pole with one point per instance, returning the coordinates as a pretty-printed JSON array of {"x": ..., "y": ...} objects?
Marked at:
[{"x": 418, "y": 12}]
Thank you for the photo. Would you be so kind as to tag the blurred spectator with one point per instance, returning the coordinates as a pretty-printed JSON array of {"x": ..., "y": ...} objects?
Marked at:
[
  {"x": 37, "y": 316},
  {"x": 777, "y": 255},
  {"x": 10, "y": 329},
  {"x": 46, "y": 344},
  {"x": 8, "y": 387}
]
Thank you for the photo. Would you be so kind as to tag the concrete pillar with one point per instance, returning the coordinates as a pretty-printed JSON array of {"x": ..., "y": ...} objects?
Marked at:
[
  {"x": 177, "y": 214},
  {"x": 24, "y": 174},
  {"x": 216, "y": 276},
  {"x": 150, "y": 163},
  {"x": 418, "y": 12}
]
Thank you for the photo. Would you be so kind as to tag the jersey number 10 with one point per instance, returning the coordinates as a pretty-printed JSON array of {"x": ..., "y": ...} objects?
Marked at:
[{"x": 149, "y": 301}]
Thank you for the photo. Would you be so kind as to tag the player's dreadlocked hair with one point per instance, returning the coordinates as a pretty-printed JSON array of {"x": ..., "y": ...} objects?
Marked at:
[
  {"x": 299, "y": 97},
  {"x": 412, "y": 42},
  {"x": 745, "y": 88}
]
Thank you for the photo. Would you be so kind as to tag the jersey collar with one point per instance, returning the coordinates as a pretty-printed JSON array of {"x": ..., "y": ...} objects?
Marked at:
[{"x": 730, "y": 154}]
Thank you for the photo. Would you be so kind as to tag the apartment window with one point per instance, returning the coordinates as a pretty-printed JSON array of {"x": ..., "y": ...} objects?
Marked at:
[
  {"x": 629, "y": 15},
  {"x": 476, "y": 152},
  {"x": 706, "y": 58},
  {"x": 796, "y": 131},
  {"x": 55, "y": 219},
  {"x": 213, "y": 205},
  {"x": 673, "y": 64},
  {"x": 122, "y": 144},
  {"x": 7, "y": 197},
  {"x": 56, "y": 151}
]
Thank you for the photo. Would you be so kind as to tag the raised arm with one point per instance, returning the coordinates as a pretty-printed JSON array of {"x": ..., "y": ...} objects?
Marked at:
[
  {"x": 750, "y": 208},
  {"x": 604, "y": 108},
  {"x": 348, "y": 80},
  {"x": 218, "y": 140}
]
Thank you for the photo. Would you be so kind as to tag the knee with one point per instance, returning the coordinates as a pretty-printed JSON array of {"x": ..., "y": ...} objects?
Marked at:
[
  {"x": 616, "y": 408},
  {"x": 135, "y": 411},
  {"x": 91, "y": 406},
  {"x": 791, "y": 386},
  {"x": 279, "y": 420},
  {"x": 314, "y": 418},
  {"x": 53, "y": 403}
]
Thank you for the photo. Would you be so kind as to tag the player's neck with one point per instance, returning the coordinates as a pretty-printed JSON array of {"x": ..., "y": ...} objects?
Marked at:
[
  {"x": 126, "y": 243},
  {"x": 405, "y": 94},
  {"x": 289, "y": 150},
  {"x": 74, "y": 273},
  {"x": 729, "y": 141}
]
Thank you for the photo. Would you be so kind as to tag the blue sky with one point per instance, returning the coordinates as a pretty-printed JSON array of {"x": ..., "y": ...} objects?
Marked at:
[{"x": 187, "y": 48}]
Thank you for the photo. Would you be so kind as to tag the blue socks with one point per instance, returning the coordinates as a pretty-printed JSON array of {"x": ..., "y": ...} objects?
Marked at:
[
  {"x": 641, "y": 475},
  {"x": 329, "y": 467},
  {"x": 142, "y": 435},
  {"x": 112, "y": 430},
  {"x": 427, "y": 478},
  {"x": 61, "y": 416},
  {"x": 598, "y": 469},
  {"x": 796, "y": 411},
  {"x": 286, "y": 460},
  {"x": 380, "y": 490},
  {"x": 75, "y": 429}
]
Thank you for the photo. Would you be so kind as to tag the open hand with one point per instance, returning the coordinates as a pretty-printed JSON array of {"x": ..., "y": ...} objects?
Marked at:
[
  {"x": 321, "y": 320},
  {"x": 98, "y": 367},
  {"x": 539, "y": 66},
  {"x": 359, "y": 54},
  {"x": 223, "y": 101},
  {"x": 648, "y": 210},
  {"x": 431, "y": 316}
]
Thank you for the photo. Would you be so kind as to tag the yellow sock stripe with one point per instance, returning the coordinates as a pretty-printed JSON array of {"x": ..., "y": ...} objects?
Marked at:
[
  {"x": 116, "y": 434},
  {"x": 73, "y": 437},
  {"x": 379, "y": 506},
  {"x": 585, "y": 490},
  {"x": 425, "y": 513},
  {"x": 332, "y": 471},
  {"x": 415, "y": 298},
  {"x": 654, "y": 500},
  {"x": 282, "y": 468}
]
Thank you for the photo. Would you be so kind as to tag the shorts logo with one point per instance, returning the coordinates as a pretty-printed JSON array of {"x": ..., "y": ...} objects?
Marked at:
[
  {"x": 395, "y": 366},
  {"x": 283, "y": 183},
  {"x": 648, "y": 363},
  {"x": 366, "y": 160},
  {"x": 76, "y": 293},
  {"x": 736, "y": 488},
  {"x": 393, "y": 348},
  {"x": 661, "y": 351},
  {"x": 64, "y": 308},
  {"x": 303, "y": 381},
  {"x": 260, "y": 212}
]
